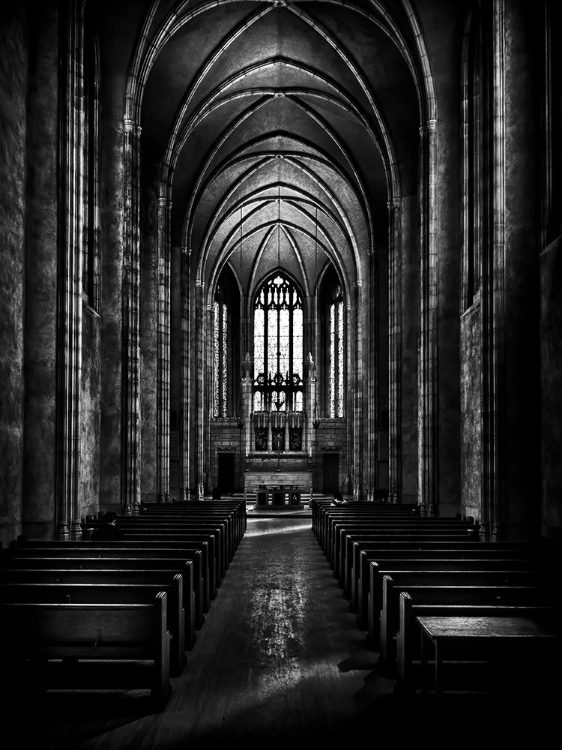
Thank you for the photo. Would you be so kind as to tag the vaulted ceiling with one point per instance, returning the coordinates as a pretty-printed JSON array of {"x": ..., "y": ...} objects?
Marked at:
[{"x": 280, "y": 130}]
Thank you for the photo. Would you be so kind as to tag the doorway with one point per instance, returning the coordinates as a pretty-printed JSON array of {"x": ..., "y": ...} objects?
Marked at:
[
  {"x": 225, "y": 473},
  {"x": 330, "y": 473}
]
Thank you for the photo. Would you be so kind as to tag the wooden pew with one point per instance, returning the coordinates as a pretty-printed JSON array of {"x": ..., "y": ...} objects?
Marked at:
[
  {"x": 362, "y": 522},
  {"x": 187, "y": 547},
  {"x": 235, "y": 518},
  {"x": 86, "y": 647},
  {"x": 341, "y": 528},
  {"x": 384, "y": 544},
  {"x": 322, "y": 511},
  {"x": 112, "y": 577},
  {"x": 343, "y": 551},
  {"x": 436, "y": 601},
  {"x": 363, "y": 552},
  {"x": 383, "y": 623},
  {"x": 115, "y": 559},
  {"x": 235, "y": 509},
  {"x": 208, "y": 536},
  {"x": 495, "y": 641},
  {"x": 111, "y": 593}
]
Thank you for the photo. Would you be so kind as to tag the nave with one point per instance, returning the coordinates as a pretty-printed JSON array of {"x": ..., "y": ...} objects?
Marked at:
[{"x": 279, "y": 662}]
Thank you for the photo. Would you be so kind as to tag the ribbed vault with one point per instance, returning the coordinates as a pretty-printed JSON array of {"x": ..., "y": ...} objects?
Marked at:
[{"x": 276, "y": 131}]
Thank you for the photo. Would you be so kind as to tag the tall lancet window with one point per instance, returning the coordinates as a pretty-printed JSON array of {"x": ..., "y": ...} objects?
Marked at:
[
  {"x": 220, "y": 350},
  {"x": 278, "y": 346},
  {"x": 336, "y": 353}
]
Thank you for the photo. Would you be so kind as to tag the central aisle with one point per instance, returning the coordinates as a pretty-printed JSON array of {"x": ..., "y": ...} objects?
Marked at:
[{"x": 280, "y": 656}]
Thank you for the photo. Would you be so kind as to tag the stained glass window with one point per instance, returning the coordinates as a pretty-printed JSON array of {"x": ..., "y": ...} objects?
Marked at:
[
  {"x": 336, "y": 350},
  {"x": 278, "y": 346},
  {"x": 220, "y": 358}
]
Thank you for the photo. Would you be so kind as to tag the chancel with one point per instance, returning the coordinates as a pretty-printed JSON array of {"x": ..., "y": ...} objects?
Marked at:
[{"x": 281, "y": 291}]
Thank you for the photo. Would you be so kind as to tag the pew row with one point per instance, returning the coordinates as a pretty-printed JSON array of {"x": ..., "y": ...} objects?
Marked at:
[
  {"x": 189, "y": 549},
  {"x": 437, "y": 602},
  {"x": 519, "y": 587},
  {"x": 494, "y": 572},
  {"x": 86, "y": 647},
  {"x": 112, "y": 578},
  {"x": 111, "y": 560},
  {"x": 496, "y": 642},
  {"x": 106, "y": 593},
  {"x": 366, "y": 552},
  {"x": 202, "y": 536}
]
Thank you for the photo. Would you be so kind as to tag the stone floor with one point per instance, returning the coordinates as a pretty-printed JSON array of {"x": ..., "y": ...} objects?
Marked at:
[{"x": 279, "y": 662}]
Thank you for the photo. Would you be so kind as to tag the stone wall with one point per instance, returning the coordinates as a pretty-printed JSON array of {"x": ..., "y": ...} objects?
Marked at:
[
  {"x": 13, "y": 119},
  {"x": 42, "y": 240}
]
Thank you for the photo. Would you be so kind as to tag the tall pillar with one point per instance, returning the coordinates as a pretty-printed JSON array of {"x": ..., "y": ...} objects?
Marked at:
[
  {"x": 69, "y": 345},
  {"x": 199, "y": 390},
  {"x": 163, "y": 346},
  {"x": 130, "y": 476},
  {"x": 245, "y": 415},
  {"x": 357, "y": 437},
  {"x": 395, "y": 348},
  {"x": 369, "y": 324},
  {"x": 428, "y": 487},
  {"x": 185, "y": 436}
]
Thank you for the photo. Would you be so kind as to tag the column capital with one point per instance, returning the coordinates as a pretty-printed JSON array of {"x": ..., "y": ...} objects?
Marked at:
[
  {"x": 131, "y": 126},
  {"x": 430, "y": 126}
]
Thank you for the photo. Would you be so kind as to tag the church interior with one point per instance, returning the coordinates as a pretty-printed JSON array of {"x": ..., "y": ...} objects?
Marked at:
[{"x": 262, "y": 252}]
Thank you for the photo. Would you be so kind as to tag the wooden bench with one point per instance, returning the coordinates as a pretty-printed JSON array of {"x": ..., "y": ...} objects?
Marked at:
[
  {"x": 329, "y": 516},
  {"x": 111, "y": 593},
  {"x": 112, "y": 559},
  {"x": 383, "y": 615},
  {"x": 231, "y": 509},
  {"x": 510, "y": 585},
  {"x": 489, "y": 639},
  {"x": 112, "y": 577},
  {"x": 322, "y": 511},
  {"x": 195, "y": 550},
  {"x": 223, "y": 525},
  {"x": 438, "y": 602},
  {"x": 203, "y": 538},
  {"x": 86, "y": 647},
  {"x": 364, "y": 552},
  {"x": 343, "y": 560},
  {"x": 407, "y": 529},
  {"x": 385, "y": 545},
  {"x": 338, "y": 525},
  {"x": 235, "y": 524}
]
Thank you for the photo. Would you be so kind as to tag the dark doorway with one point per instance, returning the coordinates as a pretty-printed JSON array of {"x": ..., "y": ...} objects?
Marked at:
[
  {"x": 331, "y": 473},
  {"x": 225, "y": 473}
]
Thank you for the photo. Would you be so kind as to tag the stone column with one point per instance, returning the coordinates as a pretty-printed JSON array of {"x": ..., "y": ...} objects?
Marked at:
[
  {"x": 369, "y": 324},
  {"x": 246, "y": 413},
  {"x": 185, "y": 438},
  {"x": 163, "y": 347},
  {"x": 356, "y": 439},
  {"x": 493, "y": 300},
  {"x": 69, "y": 325},
  {"x": 199, "y": 390},
  {"x": 428, "y": 487},
  {"x": 130, "y": 476},
  {"x": 395, "y": 348}
]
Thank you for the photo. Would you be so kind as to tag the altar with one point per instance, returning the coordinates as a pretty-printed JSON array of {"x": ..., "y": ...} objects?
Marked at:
[{"x": 279, "y": 495}]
